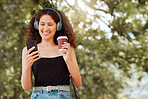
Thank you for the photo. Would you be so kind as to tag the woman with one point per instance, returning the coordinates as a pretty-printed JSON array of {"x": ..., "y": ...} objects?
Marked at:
[{"x": 51, "y": 68}]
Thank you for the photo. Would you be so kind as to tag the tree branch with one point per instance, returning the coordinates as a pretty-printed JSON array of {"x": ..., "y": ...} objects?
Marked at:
[
  {"x": 71, "y": 6},
  {"x": 87, "y": 3}
]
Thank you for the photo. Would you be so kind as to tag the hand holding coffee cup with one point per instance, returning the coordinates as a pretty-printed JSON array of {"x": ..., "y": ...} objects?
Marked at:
[{"x": 61, "y": 40}]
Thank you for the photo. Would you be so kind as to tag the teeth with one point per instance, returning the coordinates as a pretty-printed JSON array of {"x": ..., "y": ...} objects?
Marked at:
[{"x": 45, "y": 33}]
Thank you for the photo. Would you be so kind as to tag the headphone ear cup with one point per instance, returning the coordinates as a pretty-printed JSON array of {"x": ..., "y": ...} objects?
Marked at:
[
  {"x": 59, "y": 26},
  {"x": 36, "y": 25}
]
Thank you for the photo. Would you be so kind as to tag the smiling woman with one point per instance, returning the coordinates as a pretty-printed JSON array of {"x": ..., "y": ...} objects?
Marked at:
[
  {"x": 52, "y": 69},
  {"x": 66, "y": 30},
  {"x": 47, "y": 27}
]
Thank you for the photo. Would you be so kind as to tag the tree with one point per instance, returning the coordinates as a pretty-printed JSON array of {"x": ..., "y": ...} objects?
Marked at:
[
  {"x": 12, "y": 32},
  {"x": 99, "y": 53}
]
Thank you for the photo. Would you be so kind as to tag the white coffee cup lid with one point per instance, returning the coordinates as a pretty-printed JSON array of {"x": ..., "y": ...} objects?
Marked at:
[{"x": 62, "y": 37}]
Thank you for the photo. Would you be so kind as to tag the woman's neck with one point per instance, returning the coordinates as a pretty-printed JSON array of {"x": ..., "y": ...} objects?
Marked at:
[{"x": 47, "y": 43}]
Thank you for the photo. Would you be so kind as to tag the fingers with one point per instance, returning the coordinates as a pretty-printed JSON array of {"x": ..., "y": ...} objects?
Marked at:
[
  {"x": 37, "y": 58},
  {"x": 66, "y": 46},
  {"x": 31, "y": 49},
  {"x": 64, "y": 50},
  {"x": 32, "y": 54},
  {"x": 34, "y": 57}
]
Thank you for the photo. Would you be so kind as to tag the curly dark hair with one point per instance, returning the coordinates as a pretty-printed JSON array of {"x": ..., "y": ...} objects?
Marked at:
[{"x": 67, "y": 30}]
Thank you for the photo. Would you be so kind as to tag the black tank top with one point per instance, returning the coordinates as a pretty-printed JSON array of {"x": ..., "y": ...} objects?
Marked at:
[{"x": 50, "y": 71}]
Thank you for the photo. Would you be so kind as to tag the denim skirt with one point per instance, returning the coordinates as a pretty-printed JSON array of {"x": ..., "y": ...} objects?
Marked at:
[{"x": 53, "y": 94}]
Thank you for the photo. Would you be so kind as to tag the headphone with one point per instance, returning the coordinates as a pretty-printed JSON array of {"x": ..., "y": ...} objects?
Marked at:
[{"x": 59, "y": 24}]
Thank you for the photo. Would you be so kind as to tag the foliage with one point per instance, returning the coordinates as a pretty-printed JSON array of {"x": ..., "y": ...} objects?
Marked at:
[{"x": 12, "y": 41}]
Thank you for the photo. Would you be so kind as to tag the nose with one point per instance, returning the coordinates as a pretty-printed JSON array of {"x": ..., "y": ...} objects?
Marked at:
[{"x": 46, "y": 28}]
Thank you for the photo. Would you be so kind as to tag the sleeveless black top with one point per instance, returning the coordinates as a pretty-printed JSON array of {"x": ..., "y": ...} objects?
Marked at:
[{"x": 50, "y": 71}]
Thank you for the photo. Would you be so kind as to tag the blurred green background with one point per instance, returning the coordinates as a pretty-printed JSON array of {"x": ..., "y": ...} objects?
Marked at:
[{"x": 112, "y": 38}]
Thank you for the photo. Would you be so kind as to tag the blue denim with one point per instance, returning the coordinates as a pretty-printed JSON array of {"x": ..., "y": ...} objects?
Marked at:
[{"x": 55, "y": 94}]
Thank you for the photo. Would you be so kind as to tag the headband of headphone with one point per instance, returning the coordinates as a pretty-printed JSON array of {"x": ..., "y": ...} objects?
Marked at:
[{"x": 59, "y": 24}]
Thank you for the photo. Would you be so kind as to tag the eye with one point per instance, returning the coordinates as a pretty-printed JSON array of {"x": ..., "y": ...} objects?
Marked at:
[
  {"x": 42, "y": 24},
  {"x": 50, "y": 24}
]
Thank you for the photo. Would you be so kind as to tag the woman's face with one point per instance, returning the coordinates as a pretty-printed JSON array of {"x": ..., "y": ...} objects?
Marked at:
[{"x": 47, "y": 27}]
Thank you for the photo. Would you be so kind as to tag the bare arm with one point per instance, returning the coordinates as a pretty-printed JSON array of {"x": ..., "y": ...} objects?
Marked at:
[
  {"x": 71, "y": 61},
  {"x": 27, "y": 61},
  {"x": 74, "y": 70}
]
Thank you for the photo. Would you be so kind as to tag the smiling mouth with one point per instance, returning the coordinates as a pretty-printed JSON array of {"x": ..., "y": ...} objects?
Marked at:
[{"x": 45, "y": 32}]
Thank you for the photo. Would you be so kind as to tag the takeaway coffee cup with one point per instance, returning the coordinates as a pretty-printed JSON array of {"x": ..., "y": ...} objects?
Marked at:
[{"x": 61, "y": 40}]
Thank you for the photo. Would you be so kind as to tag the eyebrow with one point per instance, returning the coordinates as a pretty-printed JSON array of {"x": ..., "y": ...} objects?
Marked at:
[{"x": 47, "y": 22}]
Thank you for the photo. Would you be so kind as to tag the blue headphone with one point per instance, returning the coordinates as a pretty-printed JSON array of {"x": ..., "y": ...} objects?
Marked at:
[{"x": 59, "y": 24}]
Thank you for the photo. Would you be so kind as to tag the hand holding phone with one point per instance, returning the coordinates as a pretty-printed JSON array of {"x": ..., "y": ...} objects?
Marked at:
[
  {"x": 30, "y": 44},
  {"x": 32, "y": 51}
]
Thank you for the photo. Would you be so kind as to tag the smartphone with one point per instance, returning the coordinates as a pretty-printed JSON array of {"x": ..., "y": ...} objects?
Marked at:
[{"x": 30, "y": 44}]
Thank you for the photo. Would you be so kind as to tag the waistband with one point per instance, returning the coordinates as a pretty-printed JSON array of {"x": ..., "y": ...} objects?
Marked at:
[{"x": 51, "y": 88}]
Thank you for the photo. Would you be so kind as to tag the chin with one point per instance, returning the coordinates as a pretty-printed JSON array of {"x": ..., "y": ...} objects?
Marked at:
[{"x": 46, "y": 37}]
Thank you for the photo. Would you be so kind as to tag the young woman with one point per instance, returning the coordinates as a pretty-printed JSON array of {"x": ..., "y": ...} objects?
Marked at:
[{"x": 50, "y": 67}]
